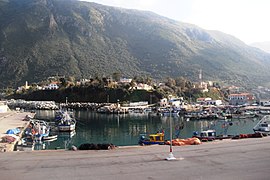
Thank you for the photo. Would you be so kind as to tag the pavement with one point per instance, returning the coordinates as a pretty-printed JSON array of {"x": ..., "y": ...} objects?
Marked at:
[
  {"x": 11, "y": 120},
  {"x": 243, "y": 159}
]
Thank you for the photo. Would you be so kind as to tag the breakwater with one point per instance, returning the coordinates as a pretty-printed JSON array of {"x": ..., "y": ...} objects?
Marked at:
[{"x": 52, "y": 105}]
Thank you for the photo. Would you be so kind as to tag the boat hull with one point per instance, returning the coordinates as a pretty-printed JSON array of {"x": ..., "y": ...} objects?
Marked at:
[
  {"x": 151, "y": 143},
  {"x": 66, "y": 128}
]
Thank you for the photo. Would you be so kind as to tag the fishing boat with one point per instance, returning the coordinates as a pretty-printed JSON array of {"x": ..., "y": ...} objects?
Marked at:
[
  {"x": 157, "y": 138},
  {"x": 67, "y": 123},
  {"x": 49, "y": 138},
  {"x": 208, "y": 135},
  {"x": 25, "y": 144},
  {"x": 263, "y": 126},
  {"x": 59, "y": 114},
  {"x": 37, "y": 129}
]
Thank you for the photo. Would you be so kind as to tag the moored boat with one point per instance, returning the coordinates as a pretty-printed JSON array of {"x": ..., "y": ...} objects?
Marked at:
[
  {"x": 38, "y": 129},
  {"x": 48, "y": 138},
  {"x": 208, "y": 135},
  {"x": 263, "y": 126},
  {"x": 67, "y": 123},
  {"x": 157, "y": 138}
]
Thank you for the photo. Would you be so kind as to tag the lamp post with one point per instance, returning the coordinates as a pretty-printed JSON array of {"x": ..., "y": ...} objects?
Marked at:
[{"x": 171, "y": 156}]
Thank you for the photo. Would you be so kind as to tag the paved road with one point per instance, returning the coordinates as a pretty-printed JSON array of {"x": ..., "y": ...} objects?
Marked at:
[
  {"x": 246, "y": 159},
  {"x": 12, "y": 119}
]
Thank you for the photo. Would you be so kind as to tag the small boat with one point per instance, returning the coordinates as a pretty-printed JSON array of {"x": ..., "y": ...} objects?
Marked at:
[
  {"x": 59, "y": 114},
  {"x": 166, "y": 112},
  {"x": 47, "y": 138},
  {"x": 208, "y": 135},
  {"x": 263, "y": 126},
  {"x": 38, "y": 129},
  {"x": 25, "y": 144},
  {"x": 67, "y": 123},
  {"x": 157, "y": 138}
]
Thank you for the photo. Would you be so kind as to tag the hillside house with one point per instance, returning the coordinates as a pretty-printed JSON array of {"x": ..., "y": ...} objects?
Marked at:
[
  {"x": 125, "y": 80},
  {"x": 141, "y": 86},
  {"x": 173, "y": 101},
  {"x": 51, "y": 86},
  {"x": 241, "y": 99}
]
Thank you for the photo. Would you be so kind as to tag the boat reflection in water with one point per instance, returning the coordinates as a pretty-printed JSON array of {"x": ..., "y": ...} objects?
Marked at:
[
  {"x": 66, "y": 135},
  {"x": 125, "y": 129}
]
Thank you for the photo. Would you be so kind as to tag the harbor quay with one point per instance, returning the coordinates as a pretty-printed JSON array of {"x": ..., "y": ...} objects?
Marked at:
[
  {"x": 246, "y": 159},
  {"x": 11, "y": 120}
]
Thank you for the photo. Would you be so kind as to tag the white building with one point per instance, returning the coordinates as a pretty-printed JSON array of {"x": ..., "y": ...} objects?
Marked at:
[
  {"x": 52, "y": 86},
  {"x": 214, "y": 102},
  {"x": 175, "y": 102},
  {"x": 163, "y": 102},
  {"x": 125, "y": 80},
  {"x": 3, "y": 107},
  {"x": 209, "y": 101},
  {"x": 142, "y": 86}
]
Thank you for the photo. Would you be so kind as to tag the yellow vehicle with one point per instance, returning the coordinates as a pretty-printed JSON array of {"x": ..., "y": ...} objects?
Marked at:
[{"x": 157, "y": 138}]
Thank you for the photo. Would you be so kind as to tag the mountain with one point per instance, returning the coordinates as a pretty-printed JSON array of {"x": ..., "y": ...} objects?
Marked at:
[
  {"x": 265, "y": 46},
  {"x": 42, "y": 38}
]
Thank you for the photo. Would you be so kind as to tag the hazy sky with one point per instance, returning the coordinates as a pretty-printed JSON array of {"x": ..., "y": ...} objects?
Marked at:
[{"x": 247, "y": 20}]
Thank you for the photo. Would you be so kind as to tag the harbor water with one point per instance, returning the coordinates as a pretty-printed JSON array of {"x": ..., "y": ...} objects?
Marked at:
[{"x": 125, "y": 129}]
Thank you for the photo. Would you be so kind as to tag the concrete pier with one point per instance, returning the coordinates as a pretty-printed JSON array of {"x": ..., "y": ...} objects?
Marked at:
[
  {"x": 11, "y": 120},
  {"x": 243, "y": 159}
]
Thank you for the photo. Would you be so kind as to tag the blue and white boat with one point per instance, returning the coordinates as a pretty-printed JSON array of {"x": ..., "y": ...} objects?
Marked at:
[
  {"x": 38, "y": 129},
  {"x": 67, "y": 123}
]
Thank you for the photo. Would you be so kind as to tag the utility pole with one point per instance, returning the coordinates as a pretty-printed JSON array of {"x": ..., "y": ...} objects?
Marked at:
[{"x": 171, "y": 156}]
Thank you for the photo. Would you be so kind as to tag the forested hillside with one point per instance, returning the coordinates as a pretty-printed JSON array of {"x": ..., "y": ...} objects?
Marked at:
[{"x": 42, "y": 38}]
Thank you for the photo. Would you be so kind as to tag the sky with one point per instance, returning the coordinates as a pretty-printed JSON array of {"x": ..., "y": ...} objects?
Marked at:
[{"x": 247, "y": 20}]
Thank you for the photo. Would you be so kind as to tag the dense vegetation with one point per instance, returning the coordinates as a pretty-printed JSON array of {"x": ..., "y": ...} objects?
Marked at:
[
  {"x": 102, "y": 90},
  {"x": 42, "y": 38}
]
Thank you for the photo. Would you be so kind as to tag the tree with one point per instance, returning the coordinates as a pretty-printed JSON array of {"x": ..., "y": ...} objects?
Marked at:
[
  {"x": 132, "y": 84},
  {"x": 63, "y": 82},
  {"x": 9, "y": 91},
  {"x": 148, "y": 80},
  {"x": 71, "y": 79},
  {"x": 116, "y": 76},
  {"x": 170, "y": 82}
]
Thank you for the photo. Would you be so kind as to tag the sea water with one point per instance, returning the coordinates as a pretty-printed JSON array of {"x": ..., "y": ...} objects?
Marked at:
[{"x": 125, "y": 129}]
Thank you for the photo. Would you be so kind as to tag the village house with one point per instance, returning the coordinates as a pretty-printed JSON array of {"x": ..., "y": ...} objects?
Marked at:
[
  {"x": 82, "y": 82},
  {"x": 125, "y": 80},
  {"x": 141, "y": 86},
  {"x": 163, "y": 102},
  {"x": 241, "y": 99},
  {"x": 209, "y": 101},
  {"x": 203, "y": 86},
  {"x": 51, "y": 86},
  {"x": 172, "y": 101},
  {"x": 265, "y": 102}
]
